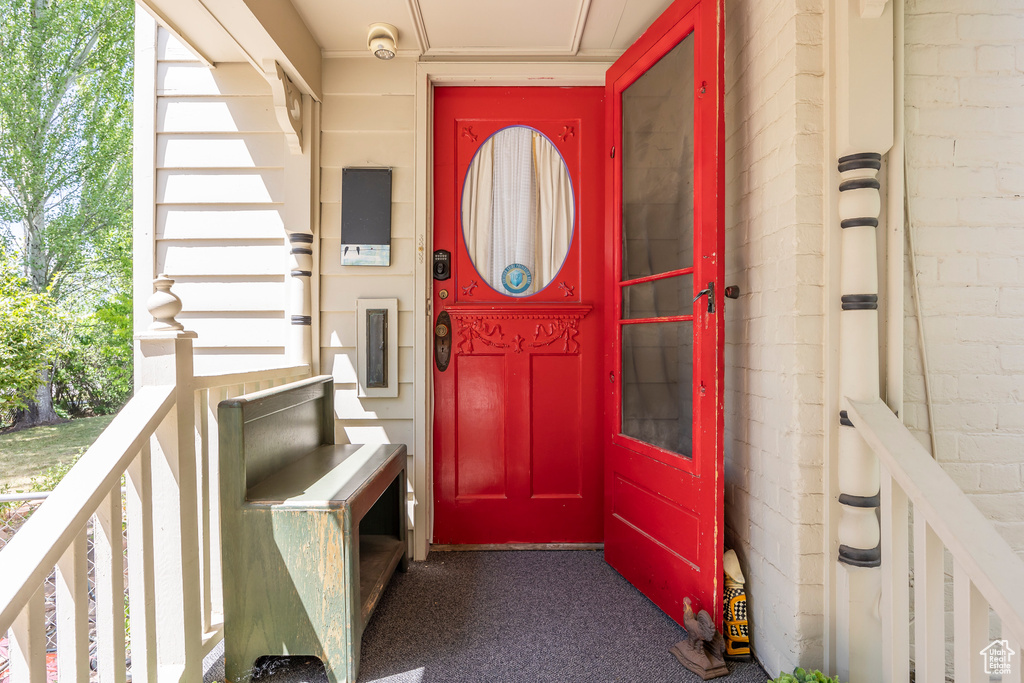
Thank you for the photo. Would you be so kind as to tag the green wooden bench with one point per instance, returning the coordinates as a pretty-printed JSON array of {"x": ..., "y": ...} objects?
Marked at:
[{"x": 311, "y": 531}]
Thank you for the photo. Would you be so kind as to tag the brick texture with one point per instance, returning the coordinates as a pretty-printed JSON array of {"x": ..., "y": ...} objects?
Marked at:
[
  {"x": 774, "y": 331},
  {"x": 965, "y": 115}
]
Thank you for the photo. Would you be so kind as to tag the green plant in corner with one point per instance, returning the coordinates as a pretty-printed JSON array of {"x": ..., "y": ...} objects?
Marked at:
[{"x": 801, "y": 675}]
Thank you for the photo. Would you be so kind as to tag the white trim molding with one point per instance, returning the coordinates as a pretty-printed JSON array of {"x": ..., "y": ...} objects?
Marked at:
[
  {"x": 429, "y": 74},
  {"x": 287, "y": 104}
]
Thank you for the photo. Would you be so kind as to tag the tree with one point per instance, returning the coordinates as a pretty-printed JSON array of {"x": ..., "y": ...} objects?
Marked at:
[
  {"x": 30, "y": 337},
  {"x": 65, "y": 154}
]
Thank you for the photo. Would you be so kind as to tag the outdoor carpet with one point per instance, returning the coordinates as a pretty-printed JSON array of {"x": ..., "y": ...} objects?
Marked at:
[{"x": 510, "y": 616}]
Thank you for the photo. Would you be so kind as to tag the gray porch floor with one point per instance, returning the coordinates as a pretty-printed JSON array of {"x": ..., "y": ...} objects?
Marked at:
[{"x": 511, "y": 616}]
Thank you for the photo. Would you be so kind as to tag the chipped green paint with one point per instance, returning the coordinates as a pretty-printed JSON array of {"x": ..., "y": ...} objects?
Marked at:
[{"x": 299, "y": 578}]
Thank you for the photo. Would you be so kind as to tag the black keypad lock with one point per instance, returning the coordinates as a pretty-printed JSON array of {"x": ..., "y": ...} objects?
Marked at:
[{"x": 442, "y": 264}]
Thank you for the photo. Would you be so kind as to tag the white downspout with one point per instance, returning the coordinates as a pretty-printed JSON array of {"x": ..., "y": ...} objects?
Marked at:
[{"x": 895, "y": 232}]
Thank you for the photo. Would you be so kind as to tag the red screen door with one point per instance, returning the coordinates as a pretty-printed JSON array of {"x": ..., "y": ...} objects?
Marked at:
[
  {"x": 518, "y": 215},
  {"x": 664, "y": 491}
]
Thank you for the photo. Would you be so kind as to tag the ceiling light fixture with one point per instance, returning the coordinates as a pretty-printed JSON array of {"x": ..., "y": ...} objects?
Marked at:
[{"x": 383, "y": 41}]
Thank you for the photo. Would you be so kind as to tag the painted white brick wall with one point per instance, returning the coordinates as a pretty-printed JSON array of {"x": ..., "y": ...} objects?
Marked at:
[
  {"x": 965, "y": 144},
  {"x": 774, "y": 493}
]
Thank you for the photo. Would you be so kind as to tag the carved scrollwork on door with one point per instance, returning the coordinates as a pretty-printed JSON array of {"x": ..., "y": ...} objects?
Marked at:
[
  {"x": 565, "y": 330},
  {"x": 551, "y": 329},
  {"x": 479, "y": 329}
]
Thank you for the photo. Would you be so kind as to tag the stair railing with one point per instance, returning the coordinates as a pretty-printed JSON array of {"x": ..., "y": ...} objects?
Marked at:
[{"x": 987, "y": 574}]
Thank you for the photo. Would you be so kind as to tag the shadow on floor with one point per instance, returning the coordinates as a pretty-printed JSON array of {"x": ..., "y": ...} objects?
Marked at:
[{"x": 512, "y": 616}]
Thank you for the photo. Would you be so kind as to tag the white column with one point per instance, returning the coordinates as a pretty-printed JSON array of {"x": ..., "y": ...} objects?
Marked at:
[
  {"x": 863, "y": 101},
  {"x": 165, "y": 352},
  {"x": 858, "y": 579},
  {"x": 300, "y": 296}
]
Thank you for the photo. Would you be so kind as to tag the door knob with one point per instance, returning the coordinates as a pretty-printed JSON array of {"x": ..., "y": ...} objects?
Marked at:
[{"x": 443, "y": 341}]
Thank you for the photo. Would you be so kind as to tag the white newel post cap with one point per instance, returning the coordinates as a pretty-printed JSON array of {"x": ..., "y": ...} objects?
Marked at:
[{"x": 163, "y": 305}]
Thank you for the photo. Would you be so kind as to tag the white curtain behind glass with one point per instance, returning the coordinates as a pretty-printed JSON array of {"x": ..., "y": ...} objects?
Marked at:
[
  {"x": 476, "y": 208},
  {"x": 554, "y": 209},
  {"x": 517, "y": 207},
  {"x": 513, "y": 202}
]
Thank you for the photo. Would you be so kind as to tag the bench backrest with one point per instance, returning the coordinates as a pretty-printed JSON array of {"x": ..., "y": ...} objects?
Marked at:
[{"x": 264, "y": 431}]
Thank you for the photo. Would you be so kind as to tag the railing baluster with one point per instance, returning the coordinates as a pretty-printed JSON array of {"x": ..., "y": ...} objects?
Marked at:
[
  {"x": 27, "y": 642},
  {"x": 213, "y": 448},
  {"x": 72, "y": 597},
  {"x": 108, "y": 553},
  {"x": 895, "y": 582},
  {"x": 202, "y": 499},
  {"x": 141, "y": 606},
  {"x": 970, "y": 628},
  {"x": 929, "y": 608}
]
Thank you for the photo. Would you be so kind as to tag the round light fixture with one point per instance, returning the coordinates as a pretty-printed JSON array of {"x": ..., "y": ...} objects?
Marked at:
[{"x": 382, "y": 41}]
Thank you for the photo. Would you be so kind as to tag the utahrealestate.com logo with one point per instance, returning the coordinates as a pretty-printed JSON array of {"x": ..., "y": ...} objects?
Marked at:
[{"x": 997, "y": 657}]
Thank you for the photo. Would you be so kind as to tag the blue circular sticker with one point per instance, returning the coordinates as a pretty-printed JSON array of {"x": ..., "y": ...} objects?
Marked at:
[{"x": 516, "y": 278}]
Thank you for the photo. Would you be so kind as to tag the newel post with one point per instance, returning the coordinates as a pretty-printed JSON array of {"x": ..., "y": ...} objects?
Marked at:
[
  {"x": 863, "y": 133},
  {"x": 170, "y": 617}
]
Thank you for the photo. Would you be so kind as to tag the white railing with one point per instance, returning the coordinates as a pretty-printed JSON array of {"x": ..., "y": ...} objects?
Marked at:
[
  {"x": 163, "y": 444},
  {"x": 210, "y": 390},
  {"x": 987, "y": 574}
]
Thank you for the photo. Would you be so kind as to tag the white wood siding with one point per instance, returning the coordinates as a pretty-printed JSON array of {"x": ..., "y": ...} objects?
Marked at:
[
  {"x": 219, "y": 207},
  {"x": 368, "y": 120}
]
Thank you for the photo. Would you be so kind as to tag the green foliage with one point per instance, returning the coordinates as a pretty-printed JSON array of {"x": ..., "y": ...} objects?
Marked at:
[
  {"x": 95, "y": 375},
  {"x": 800, "y": 675},
  {"x": 30, "y": 337},
  {"x": 65, "y": 137},
  {"x": 66, "y": 79}
]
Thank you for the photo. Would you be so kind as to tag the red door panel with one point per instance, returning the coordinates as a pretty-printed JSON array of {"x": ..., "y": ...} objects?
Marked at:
[
  {"x": 518, "y": 455},
  {"x": 556, "y": 437},
  {"x": 481, "y": 393},
  {"x": 663, "y": 458}
]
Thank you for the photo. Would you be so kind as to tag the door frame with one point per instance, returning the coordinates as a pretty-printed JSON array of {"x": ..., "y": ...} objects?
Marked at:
[{"x": 428, "y": 75}]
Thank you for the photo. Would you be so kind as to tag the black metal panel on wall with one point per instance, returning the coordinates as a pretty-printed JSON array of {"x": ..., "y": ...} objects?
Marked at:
[{"x": 366, "y": 217}]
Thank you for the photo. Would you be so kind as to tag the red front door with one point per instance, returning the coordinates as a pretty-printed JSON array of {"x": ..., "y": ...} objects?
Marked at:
[
  {"x": 519, "y": 209},
  {"x": 663, "y": 460}
]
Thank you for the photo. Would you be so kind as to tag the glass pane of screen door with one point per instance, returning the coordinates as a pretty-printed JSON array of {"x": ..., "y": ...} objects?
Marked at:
[{"x": 657, "y": 253}]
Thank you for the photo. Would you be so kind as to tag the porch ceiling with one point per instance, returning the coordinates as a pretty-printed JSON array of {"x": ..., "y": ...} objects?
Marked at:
[
  {"x": 483, "y": 28},
  {"x": 297, "y": 34}
]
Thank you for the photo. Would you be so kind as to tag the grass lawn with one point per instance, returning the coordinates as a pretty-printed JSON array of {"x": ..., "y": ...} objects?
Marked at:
[{"x": 30, "y": 452}]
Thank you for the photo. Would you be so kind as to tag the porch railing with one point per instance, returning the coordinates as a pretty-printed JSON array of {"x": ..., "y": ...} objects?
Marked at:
[
  {"x": 163, "y": 444},
  {"x": 987, "y": 575}
]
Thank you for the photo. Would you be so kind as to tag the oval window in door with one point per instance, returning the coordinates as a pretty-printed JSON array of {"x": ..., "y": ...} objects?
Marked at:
[{"x": 517, "y": 211}]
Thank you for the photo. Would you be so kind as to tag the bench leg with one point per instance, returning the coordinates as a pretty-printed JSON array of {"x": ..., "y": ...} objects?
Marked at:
[
  {"x": 238, "y": 664},
  {"x": 341, "y": 669},
  {"x": 403, "y": 524}
]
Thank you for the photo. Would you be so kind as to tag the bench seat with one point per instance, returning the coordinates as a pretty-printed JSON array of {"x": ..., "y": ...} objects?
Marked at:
[
  {"x": 309, "y": 542},
  {"x": 350, "y": 477}
]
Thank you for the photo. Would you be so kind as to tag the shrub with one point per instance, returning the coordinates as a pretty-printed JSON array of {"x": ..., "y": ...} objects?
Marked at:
[{"x": 800, "y": 675}]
